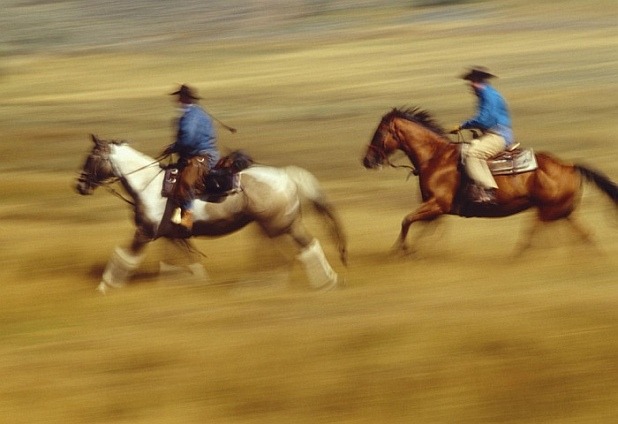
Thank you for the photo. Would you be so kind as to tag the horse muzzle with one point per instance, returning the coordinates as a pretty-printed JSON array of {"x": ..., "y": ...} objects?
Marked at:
[
  {"x": 371, "y": 163},
  {"x": 83, "y": 188}
]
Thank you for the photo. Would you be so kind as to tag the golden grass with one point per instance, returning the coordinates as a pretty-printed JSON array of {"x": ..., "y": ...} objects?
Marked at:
[{"x": 458, "y": 332}]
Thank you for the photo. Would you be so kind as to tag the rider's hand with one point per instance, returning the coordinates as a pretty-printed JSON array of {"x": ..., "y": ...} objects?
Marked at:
[
  {"x": 168, "y": 150},
  {"x": 455, "y": 129}
]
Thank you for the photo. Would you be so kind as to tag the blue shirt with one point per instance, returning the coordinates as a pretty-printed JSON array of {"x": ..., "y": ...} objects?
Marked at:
[
  {"x": 492, "y": 114},
  {"x": 196, "y": 135}
]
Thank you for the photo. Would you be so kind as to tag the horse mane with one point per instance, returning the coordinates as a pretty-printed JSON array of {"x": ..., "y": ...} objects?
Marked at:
[
  {"x": 419, "y": 116},
  {"x": 125, "y": 143}
]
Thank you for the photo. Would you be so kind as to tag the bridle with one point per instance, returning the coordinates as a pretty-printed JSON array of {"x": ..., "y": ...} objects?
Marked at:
[
  {"x": 90, "y": 177},
  {"x": 384, "y": 158}
]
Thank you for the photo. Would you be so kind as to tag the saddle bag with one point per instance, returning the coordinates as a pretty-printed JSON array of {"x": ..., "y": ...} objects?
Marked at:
[
  {"x": 223, "y": 179},
  {"x": 218, "y": 181}
]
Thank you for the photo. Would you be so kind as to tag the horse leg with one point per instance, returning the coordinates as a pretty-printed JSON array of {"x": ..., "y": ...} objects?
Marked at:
[
  {"x": 526, "y": 239},
  {"x": 190, "y": 261},
  {"x": 428, "y": 211},
  {"x": 123, "y": 263},
  {"x": 319, "y": 272},
  {"x": 583, "y": 232}
]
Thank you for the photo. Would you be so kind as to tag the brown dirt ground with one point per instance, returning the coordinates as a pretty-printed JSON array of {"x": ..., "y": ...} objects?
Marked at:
[{"x": 460, "y": 331}]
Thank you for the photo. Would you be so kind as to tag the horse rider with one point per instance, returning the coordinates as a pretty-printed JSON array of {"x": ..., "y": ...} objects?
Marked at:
[
  {"x": 196, "y": 146},
  {"x": 494, "y": 120}
]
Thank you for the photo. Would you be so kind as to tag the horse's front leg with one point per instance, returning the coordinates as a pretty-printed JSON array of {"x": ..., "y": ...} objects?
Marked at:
[
  {"x": 124, "y": 262},
  {"x": 428, "y": 211}
]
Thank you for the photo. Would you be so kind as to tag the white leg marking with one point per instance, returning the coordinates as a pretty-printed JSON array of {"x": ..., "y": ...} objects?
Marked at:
[{"x": 321, "y": 275}]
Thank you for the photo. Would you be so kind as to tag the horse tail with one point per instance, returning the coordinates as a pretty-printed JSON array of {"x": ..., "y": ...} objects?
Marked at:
[
  {"x": 309, "y": 188},
  {"x": 601, "y": 181}
]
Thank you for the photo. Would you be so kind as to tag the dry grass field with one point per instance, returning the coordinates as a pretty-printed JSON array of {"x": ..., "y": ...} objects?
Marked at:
[{"x": 460, "y": 331}]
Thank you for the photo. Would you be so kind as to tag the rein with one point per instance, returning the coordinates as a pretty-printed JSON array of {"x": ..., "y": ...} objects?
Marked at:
[
  {"x": 107, "y": 184},
  {"x": 116, "y": 193},
  {"x": 413, "y": 170},
  {"x": 385, "y": 158},
  {"x": 116, "y": 179}
]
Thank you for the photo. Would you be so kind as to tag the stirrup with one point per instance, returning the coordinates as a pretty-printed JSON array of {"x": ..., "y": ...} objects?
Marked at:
[
  {"x": 486, "y": 196},
  {"x": 480, "y": 195}
]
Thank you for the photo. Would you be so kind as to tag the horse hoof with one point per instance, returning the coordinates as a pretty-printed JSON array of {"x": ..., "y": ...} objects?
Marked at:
[
  {"x": 102, "y": 288},
  {"x": 334, "y": 284},
  {"x": 399, "y": 248}
]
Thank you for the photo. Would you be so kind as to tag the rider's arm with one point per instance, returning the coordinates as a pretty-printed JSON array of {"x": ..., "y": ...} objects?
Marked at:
[{"x": 485, "y": 117}]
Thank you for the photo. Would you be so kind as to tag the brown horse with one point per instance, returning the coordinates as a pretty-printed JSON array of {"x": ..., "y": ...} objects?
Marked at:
[{"x": 553, "y": 188}]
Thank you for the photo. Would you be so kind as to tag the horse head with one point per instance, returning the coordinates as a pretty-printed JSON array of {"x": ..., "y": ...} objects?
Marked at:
[
  {"x": 412, "y": 130},
  {"x": 97, "y": 168},
  {"x": 383, "y": 143}
]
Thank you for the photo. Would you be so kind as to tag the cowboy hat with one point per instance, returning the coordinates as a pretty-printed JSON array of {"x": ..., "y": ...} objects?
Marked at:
[
  {"x": 186, "y": 92},
  {"x": 477, "y": 73}
]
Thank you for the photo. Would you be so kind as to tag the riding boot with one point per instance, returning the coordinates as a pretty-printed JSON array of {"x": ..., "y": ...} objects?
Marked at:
[
  {"x": 176, "y": 216},
  {"x": 187, "y": 219}
]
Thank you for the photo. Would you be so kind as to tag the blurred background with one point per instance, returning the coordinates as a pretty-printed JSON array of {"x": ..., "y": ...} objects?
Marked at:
[{"x": 459, "y": 331}]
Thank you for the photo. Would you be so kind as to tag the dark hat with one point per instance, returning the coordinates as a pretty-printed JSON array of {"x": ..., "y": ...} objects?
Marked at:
[
  {"x": 186, "y": 92},
  {"x": 477, "y": 73}
]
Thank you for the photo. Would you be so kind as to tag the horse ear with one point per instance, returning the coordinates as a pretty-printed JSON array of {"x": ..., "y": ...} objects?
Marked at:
[{"x": 97, "y": 141}]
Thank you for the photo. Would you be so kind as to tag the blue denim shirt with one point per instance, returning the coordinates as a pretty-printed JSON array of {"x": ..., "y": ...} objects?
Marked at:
[
  {"x": 492, "y": 114},
  {"x": 196, "y": 135}
]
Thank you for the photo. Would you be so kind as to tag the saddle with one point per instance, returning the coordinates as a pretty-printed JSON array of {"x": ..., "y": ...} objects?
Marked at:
[
  {"x": 221, "y": 181},
  {"x": 515, "y": 160}
]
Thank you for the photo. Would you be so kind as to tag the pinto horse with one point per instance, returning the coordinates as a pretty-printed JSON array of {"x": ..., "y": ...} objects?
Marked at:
[
  {"x": 553, "y": 188},
  {"x": 268, "y": 196}
]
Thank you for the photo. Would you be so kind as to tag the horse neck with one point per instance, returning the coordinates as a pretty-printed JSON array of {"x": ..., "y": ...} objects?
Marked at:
[
  {"x": 136, "y": 170},
  {"x": 420, "y": 144}
]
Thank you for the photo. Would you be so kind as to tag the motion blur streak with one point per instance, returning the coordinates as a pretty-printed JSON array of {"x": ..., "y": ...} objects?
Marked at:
[{"x": 459, "y": 331}]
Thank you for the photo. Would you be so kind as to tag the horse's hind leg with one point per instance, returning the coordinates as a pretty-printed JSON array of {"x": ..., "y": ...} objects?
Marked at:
[
  {"x": 300, "y": 235},
  {"x": 581, "y": 230},
  {"x": 182, "y": 257},
  {"x": 526, "y": 238},
  {"x": 319, "y": 272}
]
